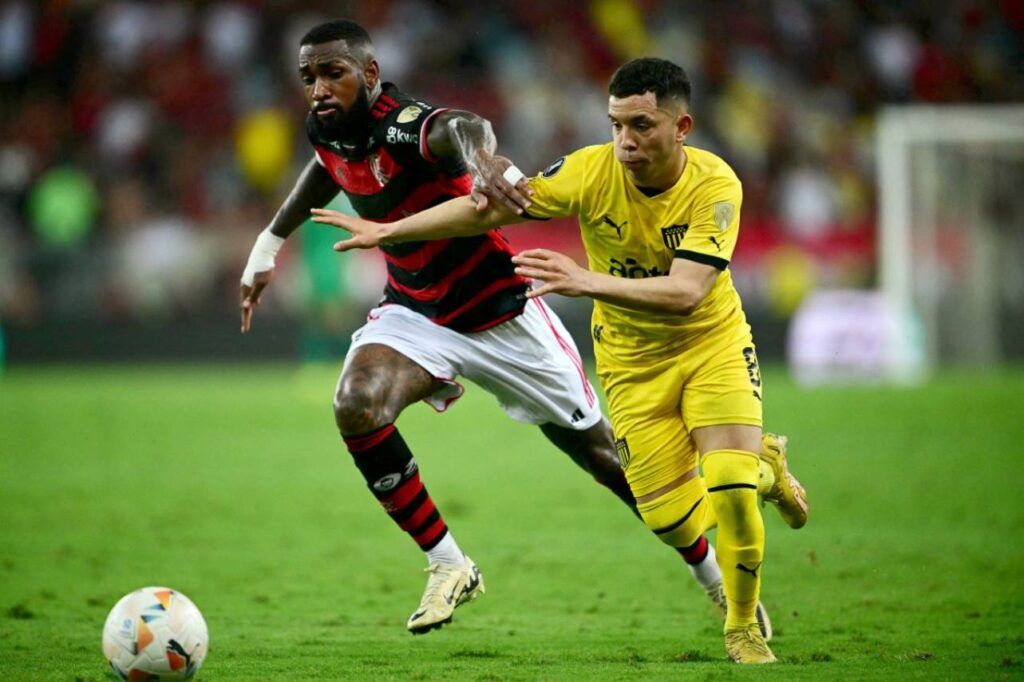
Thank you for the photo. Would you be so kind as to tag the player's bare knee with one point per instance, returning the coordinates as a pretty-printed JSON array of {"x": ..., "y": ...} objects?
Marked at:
[{"x": 357, "y": 410}]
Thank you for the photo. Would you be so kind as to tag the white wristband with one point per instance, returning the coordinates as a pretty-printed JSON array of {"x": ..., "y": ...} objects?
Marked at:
[
  {"x": 261, "y": 258},
  {"x": 513, "y": 175}
]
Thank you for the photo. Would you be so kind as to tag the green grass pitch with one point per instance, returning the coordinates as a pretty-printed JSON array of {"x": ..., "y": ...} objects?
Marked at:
[{"x": 231, "y": 485}]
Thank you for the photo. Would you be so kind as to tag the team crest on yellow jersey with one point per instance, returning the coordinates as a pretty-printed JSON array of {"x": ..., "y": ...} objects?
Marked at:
[
  {"x": 622, "y": 448},
  {"x": 554, "y": 167},
  {"x": 724, "y": 211},
  {"x": 673, "y": 235}
]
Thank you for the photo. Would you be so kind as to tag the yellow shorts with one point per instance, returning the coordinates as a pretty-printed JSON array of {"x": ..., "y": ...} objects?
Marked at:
[{"x": 653, "y": 407}]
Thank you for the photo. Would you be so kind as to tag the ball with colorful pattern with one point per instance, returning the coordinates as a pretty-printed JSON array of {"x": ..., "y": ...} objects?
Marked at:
[{"x": 155, "y": 633}]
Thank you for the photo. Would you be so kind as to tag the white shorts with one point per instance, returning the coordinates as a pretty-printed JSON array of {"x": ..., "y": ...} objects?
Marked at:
[{"x": 529, "y": 363}]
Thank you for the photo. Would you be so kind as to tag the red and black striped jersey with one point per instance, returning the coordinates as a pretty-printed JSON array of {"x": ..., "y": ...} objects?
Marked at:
[{"x": 467, "y": 283}]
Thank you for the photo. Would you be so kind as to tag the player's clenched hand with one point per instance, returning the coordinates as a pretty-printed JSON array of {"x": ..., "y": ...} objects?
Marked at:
[
  {"x": 250, "y": 297},
  {"x": 365, "y": 234},
  {"x": 492, "y": 179},
  {"x": 560, "y": 274}
]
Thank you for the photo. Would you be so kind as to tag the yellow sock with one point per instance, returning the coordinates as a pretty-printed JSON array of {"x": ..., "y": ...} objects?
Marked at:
[
  {"x": 732, "y": 480},
  {"x": 679, "y": 516}
]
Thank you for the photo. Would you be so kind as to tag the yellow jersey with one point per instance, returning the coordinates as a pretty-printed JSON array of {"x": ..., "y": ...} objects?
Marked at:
[{"x": 629, "y": 234}]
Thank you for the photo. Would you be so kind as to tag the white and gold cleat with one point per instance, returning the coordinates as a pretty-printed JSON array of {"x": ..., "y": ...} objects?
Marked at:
[{"x": 448, "y": 587}]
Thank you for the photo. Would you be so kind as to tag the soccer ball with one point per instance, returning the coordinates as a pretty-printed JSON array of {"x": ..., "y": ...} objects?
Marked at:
[{"x": 155, "y": 633}]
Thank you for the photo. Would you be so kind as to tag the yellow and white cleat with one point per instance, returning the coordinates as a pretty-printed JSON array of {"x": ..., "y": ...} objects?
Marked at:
[
  {"x": 746, "y": 645},
  {"x": 786, "y": 494},
  {"x": 448, "y": 586}
]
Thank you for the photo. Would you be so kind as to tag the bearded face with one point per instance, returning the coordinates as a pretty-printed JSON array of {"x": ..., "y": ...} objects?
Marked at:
[
  {"x": 336, "y": 122},
  {"x": 334, "y": 78}
]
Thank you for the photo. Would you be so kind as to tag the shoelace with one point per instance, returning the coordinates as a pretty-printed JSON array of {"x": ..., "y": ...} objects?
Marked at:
[
  {"x": 435, "y": 583},
  {"x": 753, "y": 635}
]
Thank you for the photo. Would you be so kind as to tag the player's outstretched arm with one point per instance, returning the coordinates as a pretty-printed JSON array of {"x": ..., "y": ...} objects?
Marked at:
[
  {"x": 686, "y": 285},
  {"x": 457, "y": 217},
  {"x": 314, "y": 188}
]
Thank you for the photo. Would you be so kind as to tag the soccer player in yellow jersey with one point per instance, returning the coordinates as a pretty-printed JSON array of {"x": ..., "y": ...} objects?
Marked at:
[{"x": 674, "y": 351}]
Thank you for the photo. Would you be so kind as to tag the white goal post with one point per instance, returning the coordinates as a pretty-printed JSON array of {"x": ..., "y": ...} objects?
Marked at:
[{"x": 951, "y": 225}]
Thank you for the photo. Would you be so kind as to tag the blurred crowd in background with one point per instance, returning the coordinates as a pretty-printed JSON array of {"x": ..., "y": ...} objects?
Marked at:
[{"x": 144, "y": 144}]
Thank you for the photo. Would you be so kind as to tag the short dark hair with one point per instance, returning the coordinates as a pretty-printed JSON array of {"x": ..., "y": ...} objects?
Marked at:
[
  {"x": 342, "y": 29},
  {"x": 650, "y": 74}
]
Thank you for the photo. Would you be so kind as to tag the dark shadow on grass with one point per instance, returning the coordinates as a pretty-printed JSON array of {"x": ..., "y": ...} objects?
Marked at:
[
  {"x": 694, "y": 656},
  {"x": 20, "y": 612},
  {"x": 475, "y": 653}
]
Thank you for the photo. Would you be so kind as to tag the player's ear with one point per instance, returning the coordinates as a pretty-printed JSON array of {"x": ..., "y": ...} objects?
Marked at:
[
  {"x": 371, "y": 73},
  {"x": 684, "y": 124}
]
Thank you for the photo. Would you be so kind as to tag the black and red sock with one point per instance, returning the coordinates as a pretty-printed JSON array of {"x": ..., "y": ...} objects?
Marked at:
[{"x": 391, "y": 474}]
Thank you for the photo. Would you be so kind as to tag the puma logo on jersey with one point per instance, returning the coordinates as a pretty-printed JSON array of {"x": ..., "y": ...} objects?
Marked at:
[
  {"x": 715, "y": 242},
  {"x": 618, "y": 228}
]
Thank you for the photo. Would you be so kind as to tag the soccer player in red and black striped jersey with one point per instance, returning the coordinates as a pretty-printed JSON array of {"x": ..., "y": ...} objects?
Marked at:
[{"x": 451, "y": 308}]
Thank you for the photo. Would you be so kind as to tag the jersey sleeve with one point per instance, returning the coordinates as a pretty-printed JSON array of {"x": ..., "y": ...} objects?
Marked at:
[
  {"x": 558, "y": 189},
  {"x": 714, "y": 223}
]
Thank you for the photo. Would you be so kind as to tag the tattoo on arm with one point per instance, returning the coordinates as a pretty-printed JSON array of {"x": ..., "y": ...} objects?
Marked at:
[
  {"x": 462, "y": 134},
  {"x": 466, "y": 135},
  {"x": 471, "y": 136}
]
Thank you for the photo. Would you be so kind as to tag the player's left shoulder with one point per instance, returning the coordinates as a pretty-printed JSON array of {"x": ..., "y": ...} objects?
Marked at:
[
  {"x": 709, "y": 165},
  {"x": 711, "y": 173}
]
